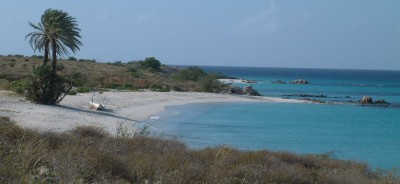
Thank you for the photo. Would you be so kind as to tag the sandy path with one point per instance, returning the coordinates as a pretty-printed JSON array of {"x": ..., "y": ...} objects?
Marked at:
[{"x": 127, "y": 107}]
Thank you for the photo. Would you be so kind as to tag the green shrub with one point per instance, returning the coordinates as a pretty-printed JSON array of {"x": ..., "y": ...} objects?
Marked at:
[
  {"x": 160, "y": 88},
  {"x": 36, "y": 56},
  {"x": 72, "y": 59},
  {"x": 72, "y": 92},
  {"x": 45, "y": 86},
  {"x": 128, "y": 87},
  {"x": 19, "y": 86},
  {"x": 150, "y": 63},
  {"x": 192, "y": 73},
  {"x": 83, "y": 89},
  {"x": 116, "y": 63},
  {"x": 210, "y": 84},
  {"x": 134, "y": 72},
  {"x": 77, "y": 79}
]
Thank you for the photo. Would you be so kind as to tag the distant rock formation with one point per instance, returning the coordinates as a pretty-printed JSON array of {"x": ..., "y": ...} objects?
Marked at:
[
  {"x": 299, "y": 81},
  {"x": 381, "y": 102},
  {"x": 366, "y": 100},
  {"x": 278, "y": 82},
  {"x": 308, "y": 95},
  {"x": 248, "y": 90},
  {"x": 235, "y": 90}
]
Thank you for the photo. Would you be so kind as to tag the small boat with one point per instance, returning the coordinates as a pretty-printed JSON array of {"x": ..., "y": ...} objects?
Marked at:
[{"x": 97, "y": 106}]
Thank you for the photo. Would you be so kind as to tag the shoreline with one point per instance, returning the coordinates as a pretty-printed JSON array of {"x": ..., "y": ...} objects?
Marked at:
[{"x": 128, "y": 108}]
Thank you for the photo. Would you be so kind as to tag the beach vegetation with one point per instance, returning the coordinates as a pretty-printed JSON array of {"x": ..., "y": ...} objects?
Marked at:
[
  {"x": 57, "y": 32},
  {"x": 92, "y": 155},
  {"x": 210, "y": 83},
  {"x": 19, "y": 86},
  {"x": 125, "y": 76},
  {"x": 45, "y": 86},
  {"x": 192, "y": 73},
  {"x": 160, "y": 88},
  {"x": 72, "y": 92},
  {"x": 83, "y": 89},
  {"x": 150, "y": 63}
]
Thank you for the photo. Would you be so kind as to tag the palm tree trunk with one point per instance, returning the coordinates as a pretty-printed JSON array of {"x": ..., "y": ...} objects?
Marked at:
[
  {"x": 54, "y": 47},
  {"x": 46, "y": 52}
]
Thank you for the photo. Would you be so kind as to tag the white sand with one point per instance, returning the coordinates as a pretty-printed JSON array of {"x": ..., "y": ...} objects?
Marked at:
[{"x": 127, "y": 107}]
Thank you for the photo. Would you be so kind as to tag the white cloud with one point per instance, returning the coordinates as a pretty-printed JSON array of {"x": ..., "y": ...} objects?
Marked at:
[{"x": 265, "y": 21}]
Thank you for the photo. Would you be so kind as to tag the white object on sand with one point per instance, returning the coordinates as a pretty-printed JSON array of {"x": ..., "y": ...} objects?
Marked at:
[{"x": 97, "y": 106}]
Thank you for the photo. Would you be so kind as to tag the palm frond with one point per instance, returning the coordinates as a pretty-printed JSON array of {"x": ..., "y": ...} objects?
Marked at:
[{"x": 58, "y": 26}]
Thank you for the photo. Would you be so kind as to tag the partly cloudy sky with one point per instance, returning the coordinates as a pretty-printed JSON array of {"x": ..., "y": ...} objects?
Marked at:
[{"x": 356, "y": 34}]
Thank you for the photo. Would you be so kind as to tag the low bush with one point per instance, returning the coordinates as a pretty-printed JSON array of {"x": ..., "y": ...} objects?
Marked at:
[
  {"x": 45, "y": 86},
  {"x": 78, "y": 79},
  {"x": 160, "y": 88},
  {"x": 190, "y": 73},
  {"x": 73, "y": 92},
  {"x": 150, "y": 63},
  {"x": 19, "y": 86},
  {"x": 210, "y": 84},
  {"x": 83, "y": 89},
  {"x": 72, "y": 59},
  {"x": 91, "y": 155}
]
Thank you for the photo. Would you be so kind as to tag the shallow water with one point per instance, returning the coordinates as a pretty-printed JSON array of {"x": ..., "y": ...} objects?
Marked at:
[
  {"x": 369, "y": 134},
  {"x": 351, "y": 132}
]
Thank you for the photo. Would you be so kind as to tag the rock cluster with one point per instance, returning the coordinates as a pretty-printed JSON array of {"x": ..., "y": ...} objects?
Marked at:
[
  {"x": 366, "y": 100},
  {"x": 299, "y": 81},
  {"x": 278, "y": 82},
  {"x": 248, "y": 90}
]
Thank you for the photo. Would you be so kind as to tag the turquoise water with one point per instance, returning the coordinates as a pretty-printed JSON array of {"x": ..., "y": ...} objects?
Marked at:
[{"x": 367, "y": 134}]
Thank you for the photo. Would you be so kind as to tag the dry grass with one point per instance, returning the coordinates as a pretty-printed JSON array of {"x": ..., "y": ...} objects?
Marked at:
[{"x": 90, "y": 155}]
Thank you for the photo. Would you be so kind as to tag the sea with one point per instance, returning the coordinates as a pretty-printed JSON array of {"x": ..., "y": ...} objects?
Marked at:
[{"x": 342, "y": 128}]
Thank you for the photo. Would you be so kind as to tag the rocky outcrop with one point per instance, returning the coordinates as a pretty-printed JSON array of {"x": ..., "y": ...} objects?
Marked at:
[
  {"x": 278, "y": 82},
  {"x": 299, "y": 81},
  {"x": 381, "y": 102},
  {"x": 235, "y": 90},
  {"x": 366, "y": 100},
  {"x": 248, "y": 90},
  {"x": 308, "y": 95}
]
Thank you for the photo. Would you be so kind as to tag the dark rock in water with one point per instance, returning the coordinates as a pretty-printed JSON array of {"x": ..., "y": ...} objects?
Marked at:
[
  {"x": 308, "y": 95},
  {"x": 248, "y": 90},
  {"x": 315, "y": 100},
  {"x": 317, "y": 96},
  {"x": 245, "y": 91},
  {"x": 366, "y": 100},
  {"x": 278, "y": 82},
  {"x": 235, "y": 90},
  {"x": 299, "y": 81},
  {"x": 381, "y": 102}
]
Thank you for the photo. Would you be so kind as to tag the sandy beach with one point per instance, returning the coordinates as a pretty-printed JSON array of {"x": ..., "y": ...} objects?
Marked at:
[{"x": 121, "y": 107}]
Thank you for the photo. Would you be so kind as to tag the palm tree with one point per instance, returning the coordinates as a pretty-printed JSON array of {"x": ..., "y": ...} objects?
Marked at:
[{"x": 57, "y": 31}]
